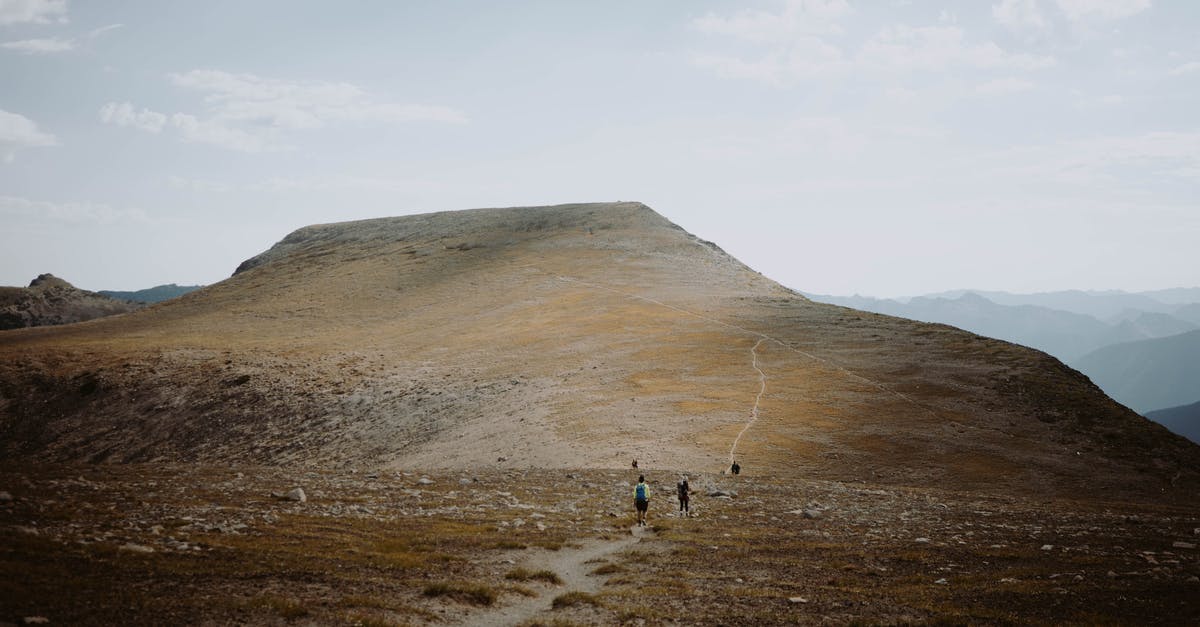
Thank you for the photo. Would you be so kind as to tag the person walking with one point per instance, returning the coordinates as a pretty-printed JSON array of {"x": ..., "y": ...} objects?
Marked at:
[
  {"x": 641, "y": 499},
  {"x": 682, "y": 488}
]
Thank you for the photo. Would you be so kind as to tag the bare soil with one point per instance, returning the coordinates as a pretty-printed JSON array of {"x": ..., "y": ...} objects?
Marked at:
[{"x": 137, "y": 544}]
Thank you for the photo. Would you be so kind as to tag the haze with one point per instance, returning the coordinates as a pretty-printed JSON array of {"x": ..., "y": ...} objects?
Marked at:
[{"x": 884, "y": 148}]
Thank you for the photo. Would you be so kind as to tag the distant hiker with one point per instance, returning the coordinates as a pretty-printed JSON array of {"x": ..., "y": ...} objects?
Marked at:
[
  {"x": 735, "y": 468},
  {"x": 635, "y": 463},
  {"x": 641, "y": 499},
  {"x": 682, "y": 488}
]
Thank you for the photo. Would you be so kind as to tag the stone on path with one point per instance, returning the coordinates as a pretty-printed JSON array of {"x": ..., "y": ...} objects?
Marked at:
[
  {"x": 425, "y": 481},
  {"x": 797, "y": 600},
  {"x": 136, "y": 548},
  {"x": 5, "y": 497},
  {"x": 297, "y": 494}
]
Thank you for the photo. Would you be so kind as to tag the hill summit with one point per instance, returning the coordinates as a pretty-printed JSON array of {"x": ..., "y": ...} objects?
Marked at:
[
  {"x": 50, "y": 300},
  {"x": 568, "y": 336}
]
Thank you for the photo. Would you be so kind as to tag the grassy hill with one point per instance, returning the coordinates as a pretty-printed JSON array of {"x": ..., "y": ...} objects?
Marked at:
[{"x": 575, "y": 336}]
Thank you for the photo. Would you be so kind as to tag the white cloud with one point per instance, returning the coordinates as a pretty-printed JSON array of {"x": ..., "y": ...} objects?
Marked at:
[
  {"x": 35, "y": 11},
  {"x": 40, "y": 46},
  {"x": 300, "y": 104},
  {"x": 96, "y": 32},
  {"x": 216, "y": 133},
  {"x": 1020, "y": 15},
  {"x": 797, "y": 17},
  {"x": 18, "y": 131},
  {"x": 935, "y": 48},
  {"x": 123, "y": 114},
  {"x": 1078, "y": 10},
  {"x": 248, "y": 113},
  {"x": 1002, "y": 86},
  {"x": 67, "y": 212},
  {"x": 791, "y": 49},
  {"x": 1186, "y": 68}
]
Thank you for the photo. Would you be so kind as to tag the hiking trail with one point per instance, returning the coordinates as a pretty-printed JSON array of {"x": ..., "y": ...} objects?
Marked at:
[
  {"x": 572, "y": 565},
  {"x": 762, "y": 388}
]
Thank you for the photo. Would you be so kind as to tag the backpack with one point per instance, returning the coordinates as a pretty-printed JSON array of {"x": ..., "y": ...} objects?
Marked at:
[{"x": 640, "y": 491}]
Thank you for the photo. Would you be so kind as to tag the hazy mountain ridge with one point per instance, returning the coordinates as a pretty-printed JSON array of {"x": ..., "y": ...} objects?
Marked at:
[
  {"x": 50, "y": 300},
  {"x": 155, "y": 294},
  {"x": 1148, "y": 375},
  {"x": 1184, "y": 420},
  {"x": 567, "y": 336},
  {"x": 1066, "y": 334}
]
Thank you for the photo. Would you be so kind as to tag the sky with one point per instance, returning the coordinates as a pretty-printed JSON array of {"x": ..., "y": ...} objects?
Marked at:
[{"x": 885, "y": 148}]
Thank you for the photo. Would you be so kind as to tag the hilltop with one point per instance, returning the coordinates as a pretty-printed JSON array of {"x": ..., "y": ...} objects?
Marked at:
[
  {"x": 50, "y": 300},
  {"x": 573, "y": 336}
]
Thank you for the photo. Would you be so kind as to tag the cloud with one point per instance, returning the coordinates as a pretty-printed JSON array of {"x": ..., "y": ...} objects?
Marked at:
[
  {"x": 937, "y": 48},
  {"x": 1002, "y": 86},
  {"x": 35, "y": 11},
  {"x": 67, "y": 212},
  {"x": 96, "y": 32},
  {"x": 215, "y": 133},
  {"x": 1079, "y": 10},
  {"x": 123, "y": 114},
  {"x": 300, "y": 104},
  {"x": 40, "y": 46},
  {"x": 249, "y": 113},
  {"x": 792, "y": 46},
  {"x": 1186, "y": 68},
  {"x": 18, "y": 131},
  {"x": 1020, "y": 15},
  {"x": 798, "y": 17}
]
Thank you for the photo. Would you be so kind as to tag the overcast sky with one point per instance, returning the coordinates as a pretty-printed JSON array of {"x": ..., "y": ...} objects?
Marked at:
[{"x": 884, "y": 148}]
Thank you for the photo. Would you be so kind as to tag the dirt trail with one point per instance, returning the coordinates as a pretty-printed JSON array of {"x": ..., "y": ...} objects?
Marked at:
[
  {"x": 572, "y": 565},
  {"x": 762, "y": 388},
  {"x": 821, "y": 360}
]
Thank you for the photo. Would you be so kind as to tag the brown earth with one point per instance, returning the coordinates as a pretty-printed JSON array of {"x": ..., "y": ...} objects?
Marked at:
[
  {"x": 50, "y": 300},
  {"x": 568, "y": 336},
  {"x": 521, "y": 358}
]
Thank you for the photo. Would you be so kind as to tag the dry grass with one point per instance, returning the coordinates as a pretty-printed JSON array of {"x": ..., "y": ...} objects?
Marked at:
[
  {"x": 522, "y": 574},
  {"x": 475, "y": 594},
  {"x": 574, "y": 598}
]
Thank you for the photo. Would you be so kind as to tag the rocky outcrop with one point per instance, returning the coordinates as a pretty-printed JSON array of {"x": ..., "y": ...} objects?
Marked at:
[{"x": 50, "y": 300}]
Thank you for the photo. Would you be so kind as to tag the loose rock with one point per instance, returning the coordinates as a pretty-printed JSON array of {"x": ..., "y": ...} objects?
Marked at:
[{"x": 297, "y": 494}]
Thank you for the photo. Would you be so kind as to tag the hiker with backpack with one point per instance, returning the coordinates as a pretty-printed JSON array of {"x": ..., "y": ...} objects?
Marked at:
[
  {"x": 641, "y": 499},
  {"x": 682, "y": 488}
]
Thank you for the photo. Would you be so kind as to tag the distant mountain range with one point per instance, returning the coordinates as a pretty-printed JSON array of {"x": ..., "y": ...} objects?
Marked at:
[
  {"x": 1150, "y": 374},
  {"x": 1182, "y": 420},
  {"x": 155, "y": 294},
  {"x": 1067, "y": 325},
  {"x": 1142, "y": 349}
]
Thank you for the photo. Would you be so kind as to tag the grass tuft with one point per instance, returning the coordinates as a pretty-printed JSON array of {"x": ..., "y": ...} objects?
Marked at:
[
  {"x": 574, "y": 598},
  {"x": 522, "y": 574},
  {"x": 474, "y": 594}
]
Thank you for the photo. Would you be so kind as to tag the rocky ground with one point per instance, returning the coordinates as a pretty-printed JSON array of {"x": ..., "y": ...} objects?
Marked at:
[{"x": 161, "y": 544}]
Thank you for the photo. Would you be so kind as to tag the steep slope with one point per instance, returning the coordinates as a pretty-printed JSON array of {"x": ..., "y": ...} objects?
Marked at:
[
  {"x": 50, "y": 300},
  {"x": 1149, "y": 374},
  {"x": 1183, "y": 420},
  {"x": 567, "y": 336}
]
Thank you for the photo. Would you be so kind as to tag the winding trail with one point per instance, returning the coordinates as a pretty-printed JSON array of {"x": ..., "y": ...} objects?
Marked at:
[
  {"x": 758, "y": 334},
  {"x": 572, "y": 565},
  {"x": 762, "y": 387}
]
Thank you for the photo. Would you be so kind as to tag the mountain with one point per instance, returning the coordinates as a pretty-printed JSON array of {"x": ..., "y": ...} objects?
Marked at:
[
  {"x": 1148, "y": 375},
  {"x": 50, "y": 300},
  {"x": 1098, "y": 304},
  {"x": 573, "y": 336},
  {"x": 1183, "y": 420},
  {"x": 1064, "y": 334},
  {"x": 155, "y": 294}
]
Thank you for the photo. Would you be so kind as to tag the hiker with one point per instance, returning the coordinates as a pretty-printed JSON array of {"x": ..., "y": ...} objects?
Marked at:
[
  {"x": 735, "y": 468},
  {"x": 641, "y": 499},
  {"x": 635, "y": 463},
  {"x": 682, "y": 488}
]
